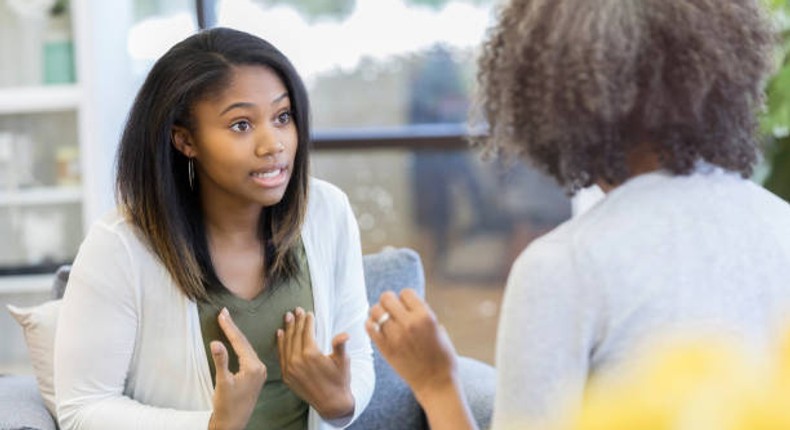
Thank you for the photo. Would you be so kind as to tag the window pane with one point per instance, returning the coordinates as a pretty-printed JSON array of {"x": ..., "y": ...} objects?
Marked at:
[
  {"x": 157, "y": 25},
  {"x": 373, "y": 62},
  {"x": 466, "y": 217}
]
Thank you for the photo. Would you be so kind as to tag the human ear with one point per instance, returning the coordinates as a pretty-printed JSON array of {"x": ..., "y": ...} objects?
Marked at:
[{"x": 182, "y": 140}]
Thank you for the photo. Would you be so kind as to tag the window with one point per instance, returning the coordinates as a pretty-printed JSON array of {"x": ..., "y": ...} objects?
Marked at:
[
  {"x": 373, "y": 63},
  {"x": 390, "y": 83}
]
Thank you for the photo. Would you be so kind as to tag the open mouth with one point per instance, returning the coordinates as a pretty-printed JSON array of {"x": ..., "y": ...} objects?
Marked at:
[
  {"x": 268, "y": 174},
  {"x": 272, "y": 177}
]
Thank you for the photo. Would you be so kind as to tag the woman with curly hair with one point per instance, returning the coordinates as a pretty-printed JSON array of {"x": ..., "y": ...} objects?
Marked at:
[{"x": 655, "y": 102}]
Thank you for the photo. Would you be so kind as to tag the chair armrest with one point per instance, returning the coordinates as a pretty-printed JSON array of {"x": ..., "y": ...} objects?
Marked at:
[
  {"x": 479, "y": 383},
  {"x": 393, "y": 406}
]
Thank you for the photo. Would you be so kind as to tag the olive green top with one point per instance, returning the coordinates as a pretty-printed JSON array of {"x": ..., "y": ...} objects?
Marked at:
[{"x": 278, "y": 407}]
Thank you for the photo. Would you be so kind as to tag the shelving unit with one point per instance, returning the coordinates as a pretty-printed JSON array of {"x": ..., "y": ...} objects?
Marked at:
[
  {"x": 86, "y": 117},
  {"x": 42, "y": 215},
  {"x": 42, "y": 193},
  {"x": 41, "y": 196},
  {"x": 49, "y": 129},
  {"x": 26, "y": 284},
  {"x": 31, "y": 100}
]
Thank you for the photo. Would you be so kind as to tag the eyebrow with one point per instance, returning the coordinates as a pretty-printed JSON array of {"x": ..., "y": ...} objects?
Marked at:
[
  {"x": 241, "y": 105},
  {"x": 280, "y": 97}
]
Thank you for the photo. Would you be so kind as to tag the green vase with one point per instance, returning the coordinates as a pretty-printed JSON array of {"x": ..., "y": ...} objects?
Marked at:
[{"x": 59, "y": 62}]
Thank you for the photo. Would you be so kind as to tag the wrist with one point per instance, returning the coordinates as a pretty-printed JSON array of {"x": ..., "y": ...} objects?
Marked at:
[
  {"x": 215, "y": 424},
  {"x": 445, "y": 405},
  {"x": 341, "y": 407},
  {"x": 437, "y": 390}
]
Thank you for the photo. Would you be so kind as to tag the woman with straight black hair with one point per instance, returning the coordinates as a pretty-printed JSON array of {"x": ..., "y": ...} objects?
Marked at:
[{"x": 226, "y": 291}]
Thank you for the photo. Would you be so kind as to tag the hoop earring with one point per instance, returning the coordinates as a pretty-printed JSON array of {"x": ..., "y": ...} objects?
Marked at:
[{"x": 191, "y": 169}]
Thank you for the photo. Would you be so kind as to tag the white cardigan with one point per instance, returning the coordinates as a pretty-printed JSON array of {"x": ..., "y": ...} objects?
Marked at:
[{"x": 129, "y": 352}]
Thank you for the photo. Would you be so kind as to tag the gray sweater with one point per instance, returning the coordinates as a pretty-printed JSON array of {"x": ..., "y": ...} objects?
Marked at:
[{"x": 699, "y": 254}]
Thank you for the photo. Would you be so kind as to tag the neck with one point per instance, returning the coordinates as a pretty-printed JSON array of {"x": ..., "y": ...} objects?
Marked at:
[
  {"x": 236, "y": 250},
  {"x": 640, "y": 160},
  {"x": 224, "y": 224}
]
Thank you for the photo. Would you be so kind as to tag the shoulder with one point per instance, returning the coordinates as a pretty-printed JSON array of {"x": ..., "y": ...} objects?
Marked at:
[
  {"x": 563, "y": 263},
  {"x": 106, "y": 261},
  {"x": 323, "y": 192},
  {"x": 326, "y": 200},
  {"x": 551, "y": 256},
  {"x": 112, "y": 236},
  {"x": 329, "y": 218},
  {"x": 112, "y": 227}
]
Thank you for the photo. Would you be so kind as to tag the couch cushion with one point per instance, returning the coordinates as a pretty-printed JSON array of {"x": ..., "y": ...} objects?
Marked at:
[
  {"x": 21, "y": 405},
  {"x": 393, "y": 406},
  {"x": 393, "y": 270},
  {"x": 38, "y": 325},
  {"x": 59, "y": 284}
]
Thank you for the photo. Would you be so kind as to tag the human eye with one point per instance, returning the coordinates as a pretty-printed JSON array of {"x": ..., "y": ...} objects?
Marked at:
[
  {"x": 284, "y": 117},
  {"x": 242, "y": 126}
]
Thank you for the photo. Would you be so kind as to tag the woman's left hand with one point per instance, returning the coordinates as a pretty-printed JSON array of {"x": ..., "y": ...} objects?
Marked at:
[{"x": 323, "y": 381}]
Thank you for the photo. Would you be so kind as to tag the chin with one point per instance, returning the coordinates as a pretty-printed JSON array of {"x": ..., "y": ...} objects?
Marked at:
[{"x": 272, "y": 199}]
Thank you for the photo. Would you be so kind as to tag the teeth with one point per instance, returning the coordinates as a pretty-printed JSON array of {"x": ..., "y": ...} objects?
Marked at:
[{"x": 267, "y": 175}]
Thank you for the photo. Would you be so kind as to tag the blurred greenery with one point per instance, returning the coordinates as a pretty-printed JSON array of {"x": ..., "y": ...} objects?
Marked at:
[
  {"x": 59, "y": 8},
  {"x": 775, "y": 123},
  {"x": 143, "y": 9},
  {"x": 318, "y": 9},
  {"x": 340, "y": 9},
  {"x": 438, "y": 4}
]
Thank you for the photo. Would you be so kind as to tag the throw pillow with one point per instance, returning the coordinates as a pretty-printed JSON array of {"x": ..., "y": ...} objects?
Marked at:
[{"x": 38, "y": 325}]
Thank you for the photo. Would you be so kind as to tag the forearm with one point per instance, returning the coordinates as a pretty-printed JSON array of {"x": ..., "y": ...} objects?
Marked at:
[
  {"x": 446, "y": 407},
  {"x": 123, "y": 413}
]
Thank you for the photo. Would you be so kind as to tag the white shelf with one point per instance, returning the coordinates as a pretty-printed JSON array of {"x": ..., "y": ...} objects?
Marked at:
[
  {"x": 26, "y": 284},
  {"x": 26, "y": 100},
  {"x": 41, "y": 196}
]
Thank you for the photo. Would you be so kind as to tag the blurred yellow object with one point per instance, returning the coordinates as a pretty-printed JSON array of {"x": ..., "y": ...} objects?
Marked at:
[{"x": 713, "y": 385}]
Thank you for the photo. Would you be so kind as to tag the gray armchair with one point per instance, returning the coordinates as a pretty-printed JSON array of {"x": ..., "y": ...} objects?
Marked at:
[{"x": 392, "y": 406}]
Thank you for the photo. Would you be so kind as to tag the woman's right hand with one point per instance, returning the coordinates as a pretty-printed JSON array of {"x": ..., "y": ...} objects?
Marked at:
[
  {"x": 235, "y": 395},
  {"x": 413, "y": 342}
]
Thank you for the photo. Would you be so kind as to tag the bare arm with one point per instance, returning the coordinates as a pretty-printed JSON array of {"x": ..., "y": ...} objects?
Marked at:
[{"x": 418, "y": 348}]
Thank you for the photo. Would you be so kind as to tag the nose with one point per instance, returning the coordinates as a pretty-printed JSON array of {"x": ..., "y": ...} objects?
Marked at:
[{"x": 268, "y": 145}]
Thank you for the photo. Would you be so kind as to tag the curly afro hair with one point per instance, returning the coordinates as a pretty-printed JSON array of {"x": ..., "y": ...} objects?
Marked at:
[{"x": 576, "y": 84}]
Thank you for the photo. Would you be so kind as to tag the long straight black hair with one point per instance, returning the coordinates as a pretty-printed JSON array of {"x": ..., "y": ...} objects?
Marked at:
[{"x": 152, "y": 175}]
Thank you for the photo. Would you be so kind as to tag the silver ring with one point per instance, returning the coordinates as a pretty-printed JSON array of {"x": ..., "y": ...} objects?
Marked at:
[{"x": 382, "y": 319}]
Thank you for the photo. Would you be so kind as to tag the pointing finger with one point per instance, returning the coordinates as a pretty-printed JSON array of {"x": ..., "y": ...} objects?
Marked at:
[
  {"x": 220, "y": 356},
  {"x": 237, "y": 340}
]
